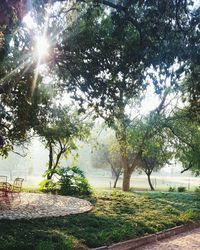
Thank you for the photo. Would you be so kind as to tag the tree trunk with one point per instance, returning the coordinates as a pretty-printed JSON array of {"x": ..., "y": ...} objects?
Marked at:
[
  {"x": 49, "y": 175},
  {"x": 116, "y": 179},
  {"x": 127, "y": 179},
  {"x": 150, "y": 184}
]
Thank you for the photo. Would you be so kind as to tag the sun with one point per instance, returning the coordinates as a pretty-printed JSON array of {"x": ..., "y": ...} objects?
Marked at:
[
  {"x": 41, "y": 52},
  {"x": 42, "y": 47}
]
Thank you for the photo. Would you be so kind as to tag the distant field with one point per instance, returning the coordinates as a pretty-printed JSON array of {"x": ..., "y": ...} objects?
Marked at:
[
  {"x": 137, "y": 182},
  {"x": 140, "y": 182}
]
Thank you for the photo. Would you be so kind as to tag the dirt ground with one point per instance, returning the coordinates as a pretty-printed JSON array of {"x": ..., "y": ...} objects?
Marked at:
[{"x": 185, "y": 241}]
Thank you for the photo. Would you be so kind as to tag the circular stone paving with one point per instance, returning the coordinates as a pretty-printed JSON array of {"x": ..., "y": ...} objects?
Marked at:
[{"x": 32, "y": 205}]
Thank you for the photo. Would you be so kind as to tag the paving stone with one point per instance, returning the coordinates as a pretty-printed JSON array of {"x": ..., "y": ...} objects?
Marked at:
[
  {"x": 32, "y": 205},
  {"x": 184, "y": 241}
]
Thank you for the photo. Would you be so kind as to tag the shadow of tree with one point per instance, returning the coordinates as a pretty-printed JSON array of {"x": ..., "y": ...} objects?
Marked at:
[{"x": 113, "y": 219}]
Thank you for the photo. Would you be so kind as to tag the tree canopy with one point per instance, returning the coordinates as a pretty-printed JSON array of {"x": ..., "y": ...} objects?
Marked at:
[
  {"x": 60, "y": 129},
  {"x": 104, "y": 54}
]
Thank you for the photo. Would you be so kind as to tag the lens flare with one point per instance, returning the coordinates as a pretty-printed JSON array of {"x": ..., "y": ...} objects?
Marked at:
[{"x": 42, "y": 47}]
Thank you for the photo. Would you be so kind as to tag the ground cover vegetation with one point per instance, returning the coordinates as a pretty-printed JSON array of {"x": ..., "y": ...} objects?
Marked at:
[{"x": 116, "y": 216}]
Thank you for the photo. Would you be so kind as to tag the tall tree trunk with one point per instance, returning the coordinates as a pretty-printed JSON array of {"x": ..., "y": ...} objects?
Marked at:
[
  {"x": 49, "y": 175},
  {"x": 121, "y": 137},
  {"x": 150, "y": 184},
  {"x": 127, "y": 179},
  {"x": 116, "y": 180}
]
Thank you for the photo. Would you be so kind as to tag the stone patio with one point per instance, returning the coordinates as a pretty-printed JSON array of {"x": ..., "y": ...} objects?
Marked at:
[
  {"x": 33, "y": 205},
  {"x": 184, "y": 241}
]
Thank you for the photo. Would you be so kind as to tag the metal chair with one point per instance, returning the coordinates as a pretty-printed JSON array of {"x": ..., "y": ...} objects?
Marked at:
[
  {"x": 16, "y": 187},
  {"x": 7, "y": 190},
  {"x": 3, "y": 185}
]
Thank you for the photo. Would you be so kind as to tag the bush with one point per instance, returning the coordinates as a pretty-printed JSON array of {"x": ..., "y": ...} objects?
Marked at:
[
  {"x": 197, "y": 192},
  {"x": 181, "y": 189},
  {"x": 172, "y": 189},
  {"x": 48, "y": 186},
  {"x": 73, "y": 182}
]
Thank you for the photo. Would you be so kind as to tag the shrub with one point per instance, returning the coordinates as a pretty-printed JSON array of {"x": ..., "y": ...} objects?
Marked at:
[
  {"x": 73, "y": 182},
  {"x": 189, "y": 215},
  {"x": 48, "y": 186},
  {"x": 172, "y": 189},
  {"x": 181, "y": 189},
  {"x": 197, "y": 192}
]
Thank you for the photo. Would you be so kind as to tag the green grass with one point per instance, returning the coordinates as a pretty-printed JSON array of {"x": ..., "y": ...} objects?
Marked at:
[{"x": 116, "y": 216}]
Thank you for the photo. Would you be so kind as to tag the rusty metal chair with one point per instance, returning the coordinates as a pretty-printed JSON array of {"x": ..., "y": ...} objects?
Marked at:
[
  {"x": 7, "y": 190},
  {"x": 17, "y": 185},
  {"x": 3, "y": 185},
  {"x": 15, "y": 188}
]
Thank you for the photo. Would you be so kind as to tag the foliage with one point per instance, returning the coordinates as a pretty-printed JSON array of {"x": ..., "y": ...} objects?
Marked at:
[
  {"x": 60, "y": 128},
  {"x": 115, "y": 217},
  {"x": 73, "y": 182},
  {"x": 197, "y": 192},
  {"x": 109, "y": 66},
  {"x": 147, "y": 143},
  {"x": 172, "y": 189},
  {"x": 21, "y": 97},
  {"x": 181, "y": 189},
  {"x": 185, "y": 139},
  {"x": 108, "y": 57},
  {"x": 22, "y": 92},
  {"x": 197, "y": 189},
  {"x": 108, "y": 154},
  {"x": 48, "y": 186},
  {"x": 104, "y": 55}
]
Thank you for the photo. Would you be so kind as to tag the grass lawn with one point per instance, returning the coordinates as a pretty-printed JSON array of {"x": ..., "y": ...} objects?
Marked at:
[{"x": 116, "y": 216}]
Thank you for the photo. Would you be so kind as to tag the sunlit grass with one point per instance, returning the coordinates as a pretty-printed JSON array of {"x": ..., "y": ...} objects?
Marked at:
[{"x": 116, "y": 216}]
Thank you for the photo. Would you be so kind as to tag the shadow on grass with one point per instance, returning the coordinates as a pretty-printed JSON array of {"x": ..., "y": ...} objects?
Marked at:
[
  {"x": 63, "y": 233},
  {"x": 115, "y": 217}
]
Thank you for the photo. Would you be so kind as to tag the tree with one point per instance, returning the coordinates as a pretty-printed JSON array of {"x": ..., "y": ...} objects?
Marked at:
[
  {"x": 17, "y": 113},
  {"x": 60, "y": 128},
  {"x": 156, "y": 154},
  {"x": 19, "y": 103},
  {"x": 108, "y": 155},
  {"x": 185, "y": 139},
  {"x": 108, "y": 56}
]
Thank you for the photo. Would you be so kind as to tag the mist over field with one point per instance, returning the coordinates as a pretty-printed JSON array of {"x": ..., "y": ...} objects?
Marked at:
[{"x": 33, "y": 163}]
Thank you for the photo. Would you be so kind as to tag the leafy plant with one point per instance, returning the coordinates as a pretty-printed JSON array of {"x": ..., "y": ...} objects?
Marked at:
[
  {"x": 172, "y": 189},
  {"x": 48, "y": 186},
  {"x": 181, "y": 189},
  {"x": 197, "y": 192},
  {"x": 73, "y": 182}
]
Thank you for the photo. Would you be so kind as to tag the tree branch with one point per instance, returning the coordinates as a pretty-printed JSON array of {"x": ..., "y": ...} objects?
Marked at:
[
  {"x": 17, "y": 153},
  {"x": 186, "y": 169}
]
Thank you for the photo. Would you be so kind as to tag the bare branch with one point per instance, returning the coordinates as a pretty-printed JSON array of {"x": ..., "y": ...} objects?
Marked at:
[
  {"x": 186, "y": 169},
  {"x": 17, "y": 153}
]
